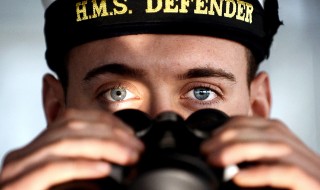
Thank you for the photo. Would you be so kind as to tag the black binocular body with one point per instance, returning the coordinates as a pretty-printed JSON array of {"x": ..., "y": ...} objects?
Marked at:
[{"x": 172, "y": 158}]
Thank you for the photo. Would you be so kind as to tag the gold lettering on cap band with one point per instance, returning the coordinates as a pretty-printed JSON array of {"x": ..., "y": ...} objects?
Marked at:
[
  {"x": 100, "y": 10},
  {"x": 233, "y": 9}
]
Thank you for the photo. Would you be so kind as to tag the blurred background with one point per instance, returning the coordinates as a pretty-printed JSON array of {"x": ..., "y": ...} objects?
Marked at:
[{"x": 294, "y": 67}]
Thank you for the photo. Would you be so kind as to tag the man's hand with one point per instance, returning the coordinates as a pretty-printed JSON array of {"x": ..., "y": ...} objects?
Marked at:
[
  {"x": 280, "y": 159},
  {"x": 78, "y": 145}
]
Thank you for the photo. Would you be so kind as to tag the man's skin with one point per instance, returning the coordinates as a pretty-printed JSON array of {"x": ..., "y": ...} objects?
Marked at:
[{"x": 158, "y": 73}]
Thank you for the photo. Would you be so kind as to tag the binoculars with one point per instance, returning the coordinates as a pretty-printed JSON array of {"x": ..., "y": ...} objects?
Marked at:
[{"x": 171, "y": 160}]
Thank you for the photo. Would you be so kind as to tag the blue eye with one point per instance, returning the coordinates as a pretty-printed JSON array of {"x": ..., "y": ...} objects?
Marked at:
[
  {"x": 202, "y": 94},
  {"x": 118, "y": 94}
]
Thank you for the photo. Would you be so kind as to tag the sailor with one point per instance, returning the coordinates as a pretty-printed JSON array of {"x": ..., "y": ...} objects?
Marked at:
[{"x": 155, "y": 56}]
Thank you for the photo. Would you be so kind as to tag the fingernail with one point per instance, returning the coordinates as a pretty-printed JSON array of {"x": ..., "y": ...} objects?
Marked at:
[{"x": 230, "y": 172}]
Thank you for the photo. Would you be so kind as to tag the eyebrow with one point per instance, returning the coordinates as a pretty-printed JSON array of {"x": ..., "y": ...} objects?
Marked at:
[
  {"x": 124, "y": 70},
  {"x": 207, "y": 72},
  {"x": 114, "y": 68}
]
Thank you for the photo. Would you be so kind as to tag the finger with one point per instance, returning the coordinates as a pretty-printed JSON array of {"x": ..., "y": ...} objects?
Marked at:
[
  {"x": 247, "y": 142},
  {"x": 84, "y": 129},
  {"x": 49, "y": 174},
  {"x": 77, "y": 129},
  {"x": 235, "y": 153},
  {"x": 95, "y": 149},
  {"x": 48, "y": 138},
  {"x": 98, "y": 149},
  {"x": 277, "y": 176},
  {"x": 93, "y": 116},
  {"x": 91, "y": 147},
  {"x": 237, "y": 128},
  {"x": 243, "y": 122}
]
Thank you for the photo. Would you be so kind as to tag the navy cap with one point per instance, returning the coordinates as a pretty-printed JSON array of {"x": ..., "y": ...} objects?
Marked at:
[{"x": 69, "y": 23}]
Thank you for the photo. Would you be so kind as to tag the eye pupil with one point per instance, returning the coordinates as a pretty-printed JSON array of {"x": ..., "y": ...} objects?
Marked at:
[
  {"x": 201, "y": 93},
  {"x": 118, "y": 94}
]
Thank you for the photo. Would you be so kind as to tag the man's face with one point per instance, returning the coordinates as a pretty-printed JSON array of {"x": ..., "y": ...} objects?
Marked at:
[{"x": 156, "y": 73}]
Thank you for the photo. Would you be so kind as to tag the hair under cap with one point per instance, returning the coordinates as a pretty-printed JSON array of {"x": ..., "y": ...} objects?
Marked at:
[{"x": 69, "y": 23}]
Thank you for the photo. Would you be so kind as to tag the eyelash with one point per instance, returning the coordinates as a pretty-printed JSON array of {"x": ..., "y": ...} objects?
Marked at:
[
  {"x": 102, "y": 92},
  {"x": 220, "y": 97},
  {"x": 218, "y": 92}
]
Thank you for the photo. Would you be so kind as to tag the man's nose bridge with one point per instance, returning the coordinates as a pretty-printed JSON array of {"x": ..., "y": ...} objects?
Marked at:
[
  {"x": 161, "y": 100},
  {"x": 158, "y": 106}
]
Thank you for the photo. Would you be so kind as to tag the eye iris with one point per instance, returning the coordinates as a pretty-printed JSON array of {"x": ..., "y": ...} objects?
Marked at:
[
  {"x": 118, "y": 94},
  {"x": 201, "y": 93}
]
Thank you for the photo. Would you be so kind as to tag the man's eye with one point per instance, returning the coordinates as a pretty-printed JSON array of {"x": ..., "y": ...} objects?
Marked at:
[
  {"x": 118, "y": 94},
  {"x": 202, "y": 94}
]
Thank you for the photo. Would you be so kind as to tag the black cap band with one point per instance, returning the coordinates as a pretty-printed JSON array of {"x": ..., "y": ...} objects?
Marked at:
[{"x": 74, "y": 22}]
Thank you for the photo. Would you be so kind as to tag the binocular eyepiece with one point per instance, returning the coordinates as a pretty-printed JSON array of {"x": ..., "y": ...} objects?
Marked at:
[{"x": 171, "y": 160}]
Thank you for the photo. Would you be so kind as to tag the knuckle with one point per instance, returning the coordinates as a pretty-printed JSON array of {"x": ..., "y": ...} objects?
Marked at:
[
  {"x": 11, "y": 157},
  {"x": 276, "y": 126},
  {"x": 271, "y": 130}
]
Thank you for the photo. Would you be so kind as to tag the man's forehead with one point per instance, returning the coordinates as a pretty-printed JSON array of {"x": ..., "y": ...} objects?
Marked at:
[
  {"x": 175, "y": 54},
  {"x": 160, "y": 47}
]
